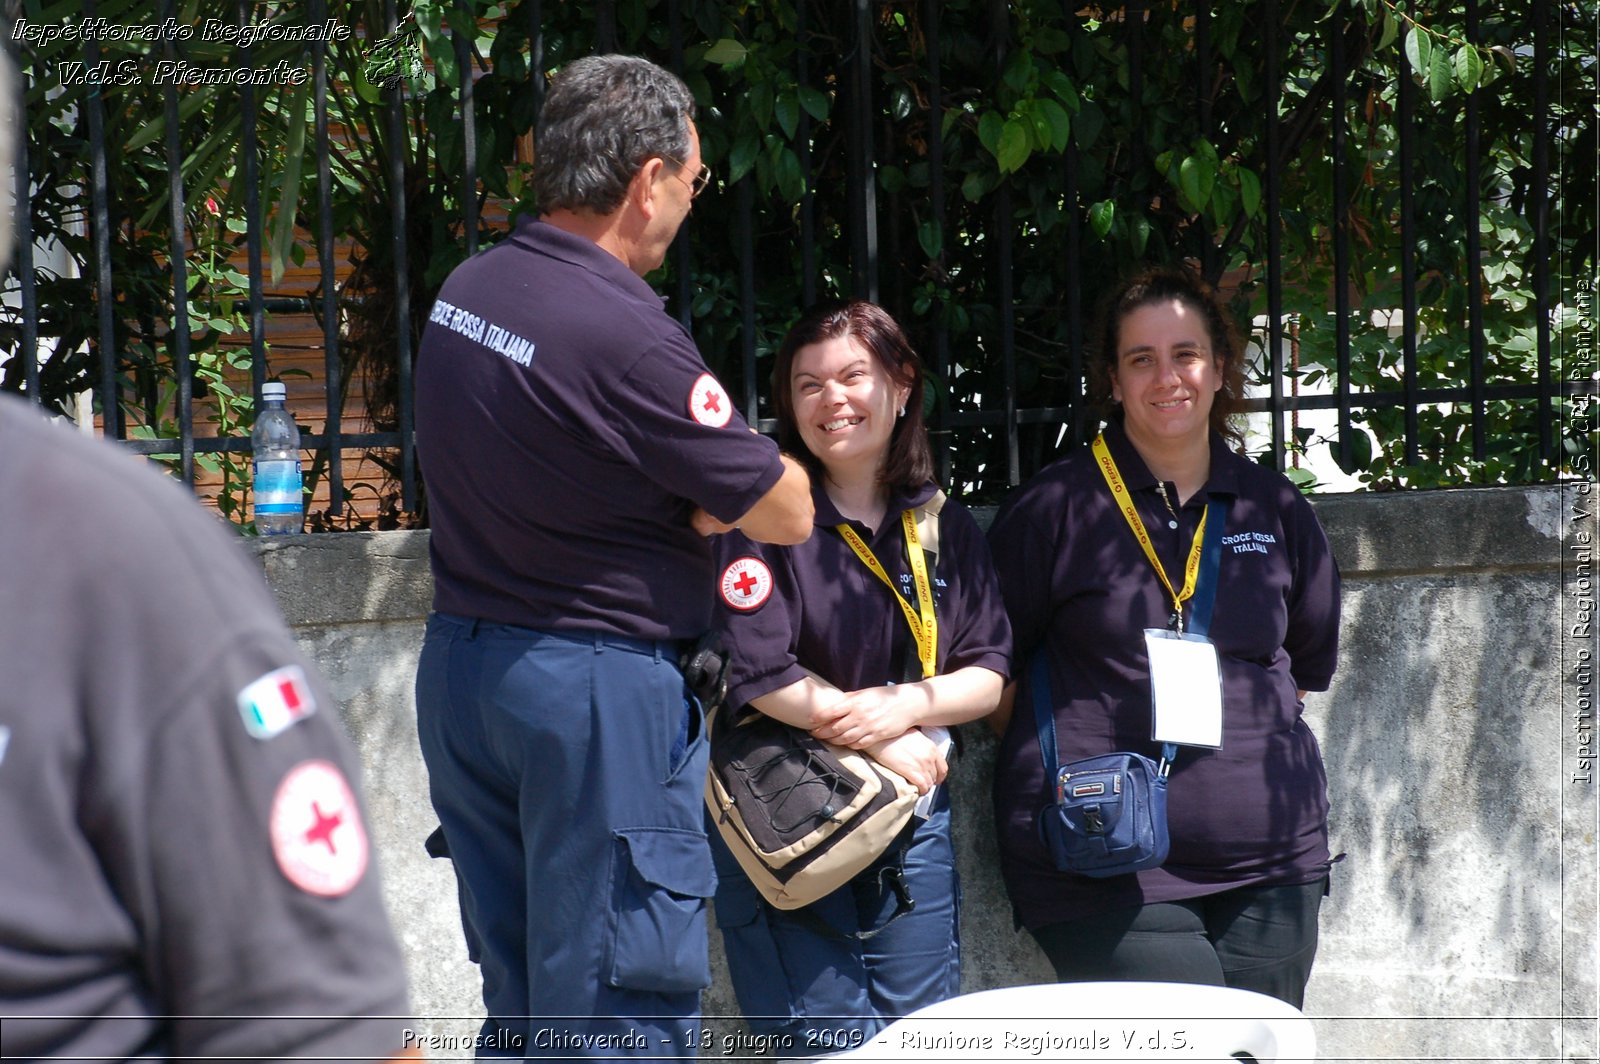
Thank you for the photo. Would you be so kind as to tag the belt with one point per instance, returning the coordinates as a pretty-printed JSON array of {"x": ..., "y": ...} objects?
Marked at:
[{"x": 669, "y": 649}]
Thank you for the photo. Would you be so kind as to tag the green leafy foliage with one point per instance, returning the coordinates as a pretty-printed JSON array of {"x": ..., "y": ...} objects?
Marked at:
[{"x": 1093, "y": 142}]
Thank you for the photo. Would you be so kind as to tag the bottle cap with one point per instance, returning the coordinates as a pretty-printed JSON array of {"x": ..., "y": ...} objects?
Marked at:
[{"x": 273, "y": 390}]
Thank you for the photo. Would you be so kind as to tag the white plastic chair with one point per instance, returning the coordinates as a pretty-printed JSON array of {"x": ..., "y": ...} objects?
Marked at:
[{"x": 1098, "y": 1021}]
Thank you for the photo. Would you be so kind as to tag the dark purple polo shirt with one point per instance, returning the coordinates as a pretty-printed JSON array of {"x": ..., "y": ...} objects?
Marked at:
[
  {"x": 1077, "y": 585},
  {"x": 568, "y": 428},
  {"x": 816, "y": 606}
]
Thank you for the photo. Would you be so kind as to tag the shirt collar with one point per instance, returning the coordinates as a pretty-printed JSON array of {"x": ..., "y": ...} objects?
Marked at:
[
  {"x": 1222, "y": 480},
  {"x": 828, "y": 515},
  {"x": 546, "y": 239}
]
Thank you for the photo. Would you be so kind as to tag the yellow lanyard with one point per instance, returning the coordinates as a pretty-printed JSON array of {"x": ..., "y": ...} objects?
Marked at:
[
  {"x": 924, "y": 629},
  {"x": 1119, "y": 492}
]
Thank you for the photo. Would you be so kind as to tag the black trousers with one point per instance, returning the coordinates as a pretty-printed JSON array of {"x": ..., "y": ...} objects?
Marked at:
[{"x": 1253, "y": 938}]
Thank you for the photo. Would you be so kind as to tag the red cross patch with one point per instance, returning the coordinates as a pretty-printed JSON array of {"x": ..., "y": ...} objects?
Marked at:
[
  {"x": 709, "y": 403},
  {"x": 746, "y": 583},
  {"x": 317, "y": 834}
]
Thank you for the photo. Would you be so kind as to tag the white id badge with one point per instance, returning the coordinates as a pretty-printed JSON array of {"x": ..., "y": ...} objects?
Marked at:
[{"x": 1185, "y": 688}]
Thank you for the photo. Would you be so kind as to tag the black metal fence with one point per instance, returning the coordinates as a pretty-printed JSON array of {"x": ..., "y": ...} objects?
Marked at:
[{"x": 998, "y": 404}]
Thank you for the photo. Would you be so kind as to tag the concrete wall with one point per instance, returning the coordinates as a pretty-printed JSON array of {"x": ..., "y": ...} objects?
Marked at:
[{"x": 1458, "y": 736}]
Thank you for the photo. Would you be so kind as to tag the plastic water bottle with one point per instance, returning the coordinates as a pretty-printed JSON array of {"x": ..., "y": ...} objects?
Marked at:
[{"x": 280, "y": 506}]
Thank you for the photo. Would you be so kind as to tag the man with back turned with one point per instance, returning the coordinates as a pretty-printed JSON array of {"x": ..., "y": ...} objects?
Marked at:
[{"x": 577, "y": 451}]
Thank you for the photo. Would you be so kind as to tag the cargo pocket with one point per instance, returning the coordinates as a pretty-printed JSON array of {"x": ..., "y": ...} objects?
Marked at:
[{"x": 660, "y": 880}]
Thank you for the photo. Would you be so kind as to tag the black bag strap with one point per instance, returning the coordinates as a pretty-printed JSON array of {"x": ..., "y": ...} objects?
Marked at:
[
  {"x": 1203, "y": 603},
  {"x": 892, "y": 876}
]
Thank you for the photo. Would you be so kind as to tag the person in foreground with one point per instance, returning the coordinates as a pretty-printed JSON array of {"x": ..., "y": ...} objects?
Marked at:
[
  {"x": 187, "y": 869},
  {"x": 186, "y": 872},
  {"x": 576, "y": 451},
  {"x": 816, "y": 639},
  {"x": 1236, "y": 902}
]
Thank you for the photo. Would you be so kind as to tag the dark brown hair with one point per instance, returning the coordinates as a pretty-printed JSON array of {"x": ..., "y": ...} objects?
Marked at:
[
  {"x": 909, "y": 463},
  {"x": 1160, "y": 285}
]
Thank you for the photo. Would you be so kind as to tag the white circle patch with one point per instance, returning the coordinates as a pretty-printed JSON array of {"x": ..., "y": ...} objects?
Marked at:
[
  {"x": 746, "y": 583},
  {"x": 709, "y": 403},
  {"x": 317, "y": 834}
]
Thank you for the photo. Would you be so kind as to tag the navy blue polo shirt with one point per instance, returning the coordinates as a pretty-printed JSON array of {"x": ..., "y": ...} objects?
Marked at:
[
  {"x": 568, "y": 427},
  {"x": 1078, "y": 586},
  {"x": 817, "y": 607}
]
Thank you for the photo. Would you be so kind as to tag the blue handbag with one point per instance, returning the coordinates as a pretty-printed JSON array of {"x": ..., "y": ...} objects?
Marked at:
[{"x": 1109, "y": 816}]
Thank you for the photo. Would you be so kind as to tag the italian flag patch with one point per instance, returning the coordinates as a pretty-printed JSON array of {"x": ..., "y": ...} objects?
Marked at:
[{"x": 275, "y": 701}]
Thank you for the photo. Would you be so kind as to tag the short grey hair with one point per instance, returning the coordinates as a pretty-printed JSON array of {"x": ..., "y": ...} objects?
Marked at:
[{"x": 604, "y": 118}]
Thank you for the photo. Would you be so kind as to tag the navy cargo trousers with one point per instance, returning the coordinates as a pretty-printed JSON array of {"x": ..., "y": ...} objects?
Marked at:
[{"x": 567, "y": 771}]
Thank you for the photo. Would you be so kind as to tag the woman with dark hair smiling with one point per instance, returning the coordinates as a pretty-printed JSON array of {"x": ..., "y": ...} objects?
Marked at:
[
  {"x": 1135, "y": 624},
  {"x": 821, "y": 637}
]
